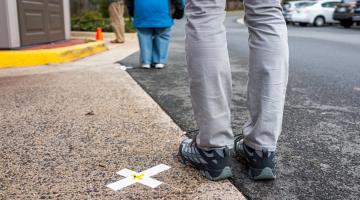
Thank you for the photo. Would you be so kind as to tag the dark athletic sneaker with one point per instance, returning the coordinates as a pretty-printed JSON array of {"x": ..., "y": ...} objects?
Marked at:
[
  {"x": 213, "y": 164},
  {"x": 261, "y": 164}
]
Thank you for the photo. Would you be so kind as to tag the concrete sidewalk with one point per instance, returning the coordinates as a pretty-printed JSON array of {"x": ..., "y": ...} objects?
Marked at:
[{"x": 66, "y": 130}]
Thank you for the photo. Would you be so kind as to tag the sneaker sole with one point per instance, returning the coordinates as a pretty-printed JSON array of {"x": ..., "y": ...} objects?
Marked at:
[
  {"x": 258, "y": 174},
  {"x": 224, "y": 173},
  {"x": 146, "y": 66},
  {"x": 263, "y": 174}
]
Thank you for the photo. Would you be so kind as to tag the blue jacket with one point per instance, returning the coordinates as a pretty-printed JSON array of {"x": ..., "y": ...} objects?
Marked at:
[{"x": 153, "y": 13}]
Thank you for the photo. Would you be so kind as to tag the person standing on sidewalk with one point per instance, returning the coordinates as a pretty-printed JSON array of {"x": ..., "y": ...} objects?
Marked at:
[
  {"x": 116, "y": 12},
  {"x": 153, "y": 20},
  {"x": 211, "y": 88}
]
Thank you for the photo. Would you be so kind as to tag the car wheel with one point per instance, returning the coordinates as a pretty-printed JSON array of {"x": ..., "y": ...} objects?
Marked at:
[
  {"x": 319, "y": 21},
  {"x": 346, "y": 24},
  {"x": 303, "y": 24}
]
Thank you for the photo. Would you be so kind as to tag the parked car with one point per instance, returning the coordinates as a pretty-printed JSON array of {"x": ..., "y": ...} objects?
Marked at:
[
  {"x": 290, "y": 8},
  {"x": 348, "y": 12},
  {"x": 319, "y": 13}
]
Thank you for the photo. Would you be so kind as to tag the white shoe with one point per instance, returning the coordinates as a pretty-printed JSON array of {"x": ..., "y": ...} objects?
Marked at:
[
  {"x": 159, "y": 66},
  {"x": 146, "y": 66}
]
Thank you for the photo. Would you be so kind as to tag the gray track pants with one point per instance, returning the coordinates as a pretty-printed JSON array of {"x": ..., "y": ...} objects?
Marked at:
[{"x": 210, "y": 73}]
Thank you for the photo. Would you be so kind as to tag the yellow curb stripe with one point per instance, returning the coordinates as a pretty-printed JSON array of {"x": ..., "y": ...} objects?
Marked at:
[{"x": 27, "y": 58}]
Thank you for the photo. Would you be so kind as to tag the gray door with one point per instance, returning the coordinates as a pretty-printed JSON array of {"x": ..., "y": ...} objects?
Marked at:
[{"x": 41, "y": 21}]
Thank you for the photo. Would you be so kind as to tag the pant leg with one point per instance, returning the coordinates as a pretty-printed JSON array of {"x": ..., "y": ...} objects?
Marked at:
[
  {"x": 116, "y": 12},
  {"x": 209, "y": 71},
  {"x": 161, "y": 45},
  {"x": 122, "y": 22},
  {"x": 268, "y": 72},
  {"x": 145, "y": 36}
]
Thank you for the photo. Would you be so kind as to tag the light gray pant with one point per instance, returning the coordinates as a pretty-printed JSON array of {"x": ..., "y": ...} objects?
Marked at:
[{"x": 210, "y": 73}]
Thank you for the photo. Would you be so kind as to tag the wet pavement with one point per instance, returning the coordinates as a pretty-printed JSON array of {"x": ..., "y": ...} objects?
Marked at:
[{"x": 318, "y": 151}]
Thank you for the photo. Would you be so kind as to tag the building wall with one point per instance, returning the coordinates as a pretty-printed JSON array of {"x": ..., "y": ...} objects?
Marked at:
[
  {"x": 3, "y": 26},
  {"x": 9, "y": 26},
  {"x": 9, "y": 23}
]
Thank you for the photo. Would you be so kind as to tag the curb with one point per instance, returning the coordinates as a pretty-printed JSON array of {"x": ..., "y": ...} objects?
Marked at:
[{"x": 28, "y": 58}]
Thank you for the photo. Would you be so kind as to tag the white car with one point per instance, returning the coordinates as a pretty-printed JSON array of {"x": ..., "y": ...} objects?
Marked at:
[
  {"x": 290, "y": 8},
  {"x": 318, "y": 13}
]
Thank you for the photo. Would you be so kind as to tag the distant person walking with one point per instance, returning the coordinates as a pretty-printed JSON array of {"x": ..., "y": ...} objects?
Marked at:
[
  {"x": 153, "y": 20},
  {"x": 116, "y": 12}
]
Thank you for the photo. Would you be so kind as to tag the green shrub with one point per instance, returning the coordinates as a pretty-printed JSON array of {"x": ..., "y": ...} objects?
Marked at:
[
  {"x": 129, "y": 27},
  {"x": 90, "y": 20}
]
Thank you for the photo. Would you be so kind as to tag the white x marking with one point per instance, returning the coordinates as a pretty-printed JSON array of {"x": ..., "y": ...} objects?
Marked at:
[{"x": 144, "y": 177}]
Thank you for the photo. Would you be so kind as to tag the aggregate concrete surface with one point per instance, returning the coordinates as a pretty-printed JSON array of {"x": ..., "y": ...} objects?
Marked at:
[
  {"x": 66, "y": 130},
  {"x": 319, "y": 149}
]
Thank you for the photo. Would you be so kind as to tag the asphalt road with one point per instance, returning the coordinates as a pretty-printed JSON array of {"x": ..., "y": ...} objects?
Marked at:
[{"x": 318, "y": 151}]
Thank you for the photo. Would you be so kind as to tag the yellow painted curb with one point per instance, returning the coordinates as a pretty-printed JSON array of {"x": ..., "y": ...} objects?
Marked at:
[{"x": 27, "y": 58}]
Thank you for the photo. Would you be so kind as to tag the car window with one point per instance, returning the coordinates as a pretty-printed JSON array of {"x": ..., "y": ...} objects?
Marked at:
[
  {"x": 304, "y": 4},
  {"x": 298, "y": 5},
  {"x": 325, "y": 5},
  {"x": 348, "y": 1},
  {"x": 329, "y": 4},
  {"x": 333, "y": 4}
]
